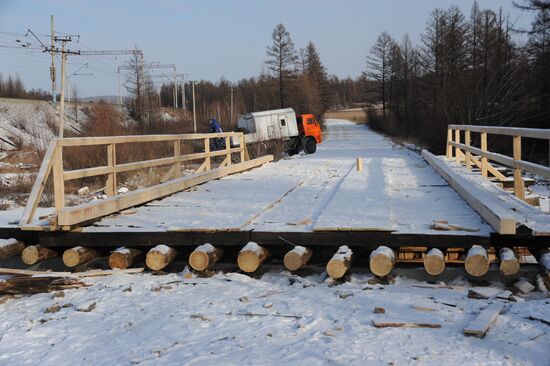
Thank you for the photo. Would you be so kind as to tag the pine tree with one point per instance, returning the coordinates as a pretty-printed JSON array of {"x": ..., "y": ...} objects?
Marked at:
[
  {"x": 379, "y": 65},
  {"x": 281, "y": 61}
]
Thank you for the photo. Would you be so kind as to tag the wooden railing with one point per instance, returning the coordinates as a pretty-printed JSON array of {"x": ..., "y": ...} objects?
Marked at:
[
  {"x": 480, "y": 156},
  {"x": 52, "y": 164}
]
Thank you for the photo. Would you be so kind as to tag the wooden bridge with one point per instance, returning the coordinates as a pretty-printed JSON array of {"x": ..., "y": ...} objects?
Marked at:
[{"x": 359, "y": 189}]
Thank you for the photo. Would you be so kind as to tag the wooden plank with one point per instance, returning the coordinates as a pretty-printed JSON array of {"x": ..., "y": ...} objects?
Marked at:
[
  {"x": 449, "y": 140},
  {"x": 467, "y": 141},
  {"x": 111, "y": 185},
  {"x": 519, "y": 189},
  {"x": 497, "y": 216},
  {"x": 89, "y": 211},
  {"x": 483, "y": 157},
  {"x": 486, "y": 318},
  {"x": 535, "y": 133},
  {"x": 397, "y": 324},
  {"x": 177, "y": 155},
  {"x": 490, "y": 168},
  {"x": 58, "y": 183},
  {"x": 39, "y": 184},
  {"x": 106, "y": 140},
  {"x": 207, "y": 161}
]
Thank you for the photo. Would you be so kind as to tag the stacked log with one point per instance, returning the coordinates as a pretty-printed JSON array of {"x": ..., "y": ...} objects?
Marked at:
[
  {"x": 204, "y": 257},
  {"x": 123, "y": 258},
  {"x": 382, "y": 261},
  {"x": 340, "y": 262},
  {"x": 477, "y": 261},
  {"x": 251, "y": 257},
  {"x": 78, "y": 255},
  {"x": 434, "y": 262},
  {"x": 10, "y": 248},
  {"x": 297, "y": 258},
  {"x": 35, "y": 253},
  {"x": 160, "y": 256},
  {"x": 509, "y": 262}
]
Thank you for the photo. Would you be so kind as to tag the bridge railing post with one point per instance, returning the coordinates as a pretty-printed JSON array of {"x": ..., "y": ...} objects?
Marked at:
[
  {"x": 177, "y": 155},
  {"x": 58, "y": 181},
  {"x": 228, "y": 149},
  {"x": 484, "y": 162},
  {"x": 468, "y": 141},
  {"x": 449, "y": 146},
  {"x": 111, "y": 185},
  {"x": 208, "y": 165},
  {"x": 458, "y": 152},
  {"x": 519, "y": 189}
]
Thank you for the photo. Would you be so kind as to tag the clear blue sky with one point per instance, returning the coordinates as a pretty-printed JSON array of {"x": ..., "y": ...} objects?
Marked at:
[{"x": 210, "y": 39}]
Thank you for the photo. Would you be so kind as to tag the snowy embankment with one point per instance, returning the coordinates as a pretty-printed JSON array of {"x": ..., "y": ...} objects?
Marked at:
[{"x": 233, "y": 319}]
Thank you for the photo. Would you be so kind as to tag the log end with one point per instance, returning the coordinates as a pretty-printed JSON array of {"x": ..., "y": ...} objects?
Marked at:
[
  {"x": 118, "y": 261},
  {"x": 71, "y": 258},
  {"x": 336, "y": 268},
  {"x": 293, "y": 261},
  {"x": 248, "y": 261},
  {"x": 509, "y": 267},
  {"x": 476, "y": 265},
  {"x": 155, "y": 260},
  {"x": 30, "y": 255},
  {"x": 434, "y": 265},
  {"x": 199, "y": 260},
  {"x": 381, "y": 265}
]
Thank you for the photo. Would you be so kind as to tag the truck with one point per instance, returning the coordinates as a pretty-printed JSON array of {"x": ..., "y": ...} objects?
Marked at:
[{"x": 299, "y": 132}]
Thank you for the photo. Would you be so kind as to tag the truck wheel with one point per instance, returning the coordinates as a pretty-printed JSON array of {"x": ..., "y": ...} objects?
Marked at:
[{"x": 310, "y": 145}]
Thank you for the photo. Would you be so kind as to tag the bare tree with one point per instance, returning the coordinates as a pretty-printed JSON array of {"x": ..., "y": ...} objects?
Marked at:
[{"x": 379, "y": 65}]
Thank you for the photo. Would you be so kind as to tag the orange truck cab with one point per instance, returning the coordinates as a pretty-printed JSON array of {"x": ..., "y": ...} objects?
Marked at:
[{"x": 310, "y": 134}]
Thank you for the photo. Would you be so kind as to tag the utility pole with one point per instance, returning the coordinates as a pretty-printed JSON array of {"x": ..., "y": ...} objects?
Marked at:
[
  {"x": 175, "y": 90},
  {"x": 231, "y": 111},
  {"x": 52, "y": 67},
  {"x": 194, "y": 113},
  {"x": 62, "y": 91}
]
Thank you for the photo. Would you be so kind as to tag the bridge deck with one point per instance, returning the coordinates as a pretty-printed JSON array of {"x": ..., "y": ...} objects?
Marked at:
[{"x": 396, "y": 192}]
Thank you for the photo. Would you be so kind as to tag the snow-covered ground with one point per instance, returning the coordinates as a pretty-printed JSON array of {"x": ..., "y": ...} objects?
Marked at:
[
  {"x": 233, "y": 319},
  {"x": 396, "y": 191}
]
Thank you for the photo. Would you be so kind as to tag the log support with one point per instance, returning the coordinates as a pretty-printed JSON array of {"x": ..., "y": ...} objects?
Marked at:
[
  {"x": 509, "y": 262},
  {"x": 10, "y": 248},
  {"x": 297, "y": 258},
  {"x": 204, "y": 257},
  {"x": 382, "y": 261},
  {"x": 123, "y": 258},
  {"x": 35, "y": 253},
  {"x": 477, "y": 261},
  {"x": 160, "y": 256},
  {"x": 434, "y": 262},
  {"x": 340, "y": 262},
  {"x": 78, "y": 255},
  {"x": 251, "y": 257}
]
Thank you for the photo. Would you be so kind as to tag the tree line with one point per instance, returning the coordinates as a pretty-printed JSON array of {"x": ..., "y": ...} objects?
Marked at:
[
  {"x": 466, "y": 70},
  {"x": 13, "y": 87}
]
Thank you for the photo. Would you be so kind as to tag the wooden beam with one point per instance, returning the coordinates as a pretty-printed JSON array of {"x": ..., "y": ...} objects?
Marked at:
[
  {"x": 535, "y": 133},
  {"x": 492, "y": 211},
  {"x": 58, "y": 182},
  {"x": 483, "y": 157},
  {"x": 111, "y": 185},
  {"x": 468, "y": 141},
  {"x": 449, "y": 146},
  {"x": 77, "y": 214},
  {"x": 39, "y": 184},
  {"x": 519, "y": 188}
]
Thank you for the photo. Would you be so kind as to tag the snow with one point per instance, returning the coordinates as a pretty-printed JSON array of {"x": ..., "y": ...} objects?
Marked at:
[
  {"x": 232, "y": 319},
  {"x": 344, "y": 253},
  {"x": 435, "y": 252},
  {"x": 122, "y": 250},
  {"x": 506, "y": 254},
  {"x": 545, "y": 261},
  {"x": 205, "y": 248},
  {"x": 383, "y": 250},
  {"x": 252, "y": 247},
  {"x": 299, "y": 250},
  {"x": 397, "y": 191},
  {"x": 162, "y": 249},
  {"x": 477, "y": 250},
  {"x": 6, "y": 242}
]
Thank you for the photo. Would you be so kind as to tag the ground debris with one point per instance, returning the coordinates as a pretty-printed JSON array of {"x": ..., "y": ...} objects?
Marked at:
[
  {"x": 87, "y": 308},
  {"x": 35, "y": 285},
  {"x": 379, "y": 310},
  {"x": 52, "y": 309}
]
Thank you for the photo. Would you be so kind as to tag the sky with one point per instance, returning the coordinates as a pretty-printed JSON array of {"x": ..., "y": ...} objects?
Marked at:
[{"x": 208, "y": 39}]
